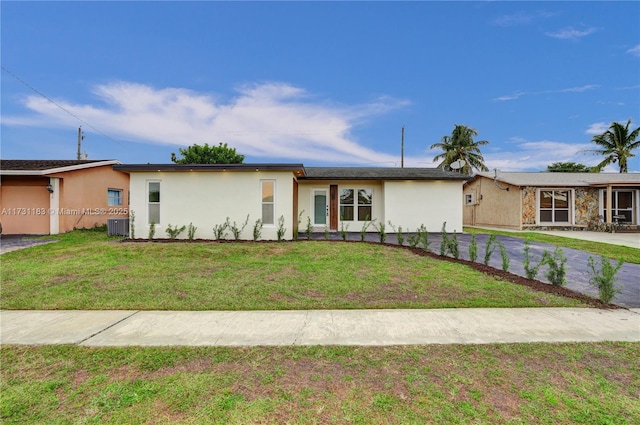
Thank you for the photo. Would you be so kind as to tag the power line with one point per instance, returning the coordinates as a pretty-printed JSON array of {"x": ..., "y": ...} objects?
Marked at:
[{"x": 57, "y": 104}]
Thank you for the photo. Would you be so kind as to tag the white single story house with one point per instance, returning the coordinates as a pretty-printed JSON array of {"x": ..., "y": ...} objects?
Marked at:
[{"x": 330, "y": 197}]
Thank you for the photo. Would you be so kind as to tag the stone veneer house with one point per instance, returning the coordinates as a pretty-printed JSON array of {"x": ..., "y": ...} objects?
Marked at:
[{"x": 543, "y": 200}]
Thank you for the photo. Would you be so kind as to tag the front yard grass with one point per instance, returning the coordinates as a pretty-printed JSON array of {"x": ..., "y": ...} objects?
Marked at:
[
  {"x": 87, "y": 270},
  {"x": 595, "y": 383}
]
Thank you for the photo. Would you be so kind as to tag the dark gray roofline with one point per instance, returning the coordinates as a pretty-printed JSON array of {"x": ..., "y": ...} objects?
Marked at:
[
  {"x": 209, "y": 167},
  {"x": 380, "y": 173}
]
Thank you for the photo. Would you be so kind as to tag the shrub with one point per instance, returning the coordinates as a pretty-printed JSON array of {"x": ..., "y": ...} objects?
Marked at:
[
  {"x": 326, "y": 232},
  {"x": 191, "y": 231},
  {"x": 257, "y": 229},
  {"x": 173, "y": 232},
  {"x": 557, "y": 271},
  {"x": 281, "y": 229},
  {"x": 398, "y": 232},
  {"x": 489, "y": 248},
  {"x": 505, "y": 257},
  {"x": 365, "y": 226},
  {"x": 530, "y": 271},
  {"x": 296, "y": 231},
  {"x": 309, "y": 228},
  {"x": 132, "y": 225},
  {"x": 381, "y": 228},
  {"x": 343, "y": 230},
  {"x": 473, "y": 248},
  {"x": 220, "y": 230},
  {"x": 452, "y": 245},
  {"x": 423, "y": 237},
  {"x": 237, "y": 231},
  {"x": 605, "y": 278},
  {"x": 152, "y": 230},
  {"x": 444, "y": 241}
]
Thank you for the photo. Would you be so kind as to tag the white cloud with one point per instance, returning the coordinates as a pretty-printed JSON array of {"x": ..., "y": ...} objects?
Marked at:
[
  {"x": 519, "y": 94},
  {"x": 521, "y": 18},
  {"x": 571, "y": 33},
  {"x": 270, "y": 120},
  {"x": 597, "y": 128},
  {"x": 635, "y": 51},
  {"x": 536, "y": 155}
]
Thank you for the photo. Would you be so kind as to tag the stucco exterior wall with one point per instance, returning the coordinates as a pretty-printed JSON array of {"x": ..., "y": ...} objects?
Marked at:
[
  {"x": 83, "y": 197},
  {"x": 305, "y": 201},
  {"x": 206, "y": 199},
  {"x": 412, "y": 203},
  {"x": 492, "y": 205},
  {"x": 24, "y": 203}
]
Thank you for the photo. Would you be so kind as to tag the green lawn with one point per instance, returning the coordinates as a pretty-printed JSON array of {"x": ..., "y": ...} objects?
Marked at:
[
  {"x": 596, "y": 383},
  {"x": 618, "y": 252},
  {"x": 87, "y": 270}
]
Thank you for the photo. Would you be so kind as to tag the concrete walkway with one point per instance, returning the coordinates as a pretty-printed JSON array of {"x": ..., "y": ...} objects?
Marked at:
[{"x": 318, "y": 327}]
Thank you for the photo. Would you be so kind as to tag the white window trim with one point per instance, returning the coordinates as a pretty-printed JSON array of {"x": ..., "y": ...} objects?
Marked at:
[
  {"x": 111, "y": 189},
  {"x": 468, "y": 198},
  {"x": 275, "y": 199},
  {"x": 572, "y": 207},
  {"x": 355, "y": 204},
  {"x": 149, "y": 203}
]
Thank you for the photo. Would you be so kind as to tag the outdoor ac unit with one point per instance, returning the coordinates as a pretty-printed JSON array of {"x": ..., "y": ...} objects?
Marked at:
[{"x": 118, "y": 227}]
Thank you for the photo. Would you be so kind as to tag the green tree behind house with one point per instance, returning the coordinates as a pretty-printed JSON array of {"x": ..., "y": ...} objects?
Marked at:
[
  {"x": 460, "y": 145},
  {"x": 196, "y": 154},
  {"x": 617, "y": 145},
  {"x": 570, "y": 167}
]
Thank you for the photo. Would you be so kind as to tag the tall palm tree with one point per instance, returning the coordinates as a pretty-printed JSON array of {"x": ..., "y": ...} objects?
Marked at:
[
  {"x": 460, "y": 145},
  {"x": 617, "y": 145}
]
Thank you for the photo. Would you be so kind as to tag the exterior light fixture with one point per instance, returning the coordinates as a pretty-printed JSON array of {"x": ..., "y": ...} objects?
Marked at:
[{"x": 49, "y": 188}]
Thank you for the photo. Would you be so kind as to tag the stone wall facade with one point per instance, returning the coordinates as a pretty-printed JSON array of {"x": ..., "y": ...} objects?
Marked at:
[{"x": 585, "y": 207}]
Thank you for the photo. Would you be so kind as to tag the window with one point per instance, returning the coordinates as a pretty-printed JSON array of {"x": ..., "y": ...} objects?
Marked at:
[
  {"x": 554, "y": 206},
  {"x": 114, "y": 197},
  {"x": 468, "y": 199},
  {"x": 268, "y": 201},
  {"x": 356, "y": 203},
  {"x": 621, "y": 203},
  {"x": 154, "y": 202}
]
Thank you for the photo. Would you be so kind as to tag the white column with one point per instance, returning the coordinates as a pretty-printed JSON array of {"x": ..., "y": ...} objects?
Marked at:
[{"x": 54, "y": 206}]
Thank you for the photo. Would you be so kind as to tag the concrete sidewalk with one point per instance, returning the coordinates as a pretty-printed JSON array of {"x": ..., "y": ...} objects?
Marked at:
[{"x": 318, "y": 327}]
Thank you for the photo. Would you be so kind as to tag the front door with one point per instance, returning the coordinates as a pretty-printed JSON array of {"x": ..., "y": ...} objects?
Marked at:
[{"x": 320, "y": 207}]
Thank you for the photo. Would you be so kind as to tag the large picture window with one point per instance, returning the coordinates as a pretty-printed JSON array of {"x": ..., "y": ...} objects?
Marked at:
[
  {"x": 356, "y": 204},
  {"x": 267, "y": 189},
  {"x": 154, "y": 202},
  {"x": 555, "y": 206}
]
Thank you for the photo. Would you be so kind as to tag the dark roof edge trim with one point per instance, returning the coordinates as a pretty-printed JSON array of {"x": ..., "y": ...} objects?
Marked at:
[{"x": 209, "y": 167}]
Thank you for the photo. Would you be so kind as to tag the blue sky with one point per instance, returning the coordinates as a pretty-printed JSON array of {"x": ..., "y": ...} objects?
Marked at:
[{"x": 322, "y": 83}]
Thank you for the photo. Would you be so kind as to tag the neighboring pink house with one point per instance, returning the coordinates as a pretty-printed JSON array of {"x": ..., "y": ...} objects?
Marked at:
[{"x": 56, "y": 196}]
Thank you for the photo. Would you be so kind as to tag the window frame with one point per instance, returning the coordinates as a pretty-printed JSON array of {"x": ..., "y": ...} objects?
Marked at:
[
  {"x": 570, "y": 207},
  {"x": 468, "y": 198},
  {"x": 272, "y": 202},
  {"x": 109, "y": 198},
  {"x": 150, "y": 203},
  {"x": 634, "y": 209},
  {"x": 356, "y": 204}
]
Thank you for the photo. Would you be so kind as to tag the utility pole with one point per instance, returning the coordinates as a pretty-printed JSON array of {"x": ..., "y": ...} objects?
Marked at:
[
  {"x": 402, "y": 150},
  {"x": 80, "y": 138}
]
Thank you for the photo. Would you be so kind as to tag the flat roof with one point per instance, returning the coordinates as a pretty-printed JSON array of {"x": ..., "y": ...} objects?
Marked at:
[{"x": 380, "y": 173}]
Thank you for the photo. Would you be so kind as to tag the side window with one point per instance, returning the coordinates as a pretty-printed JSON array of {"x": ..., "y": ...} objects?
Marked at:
[
  {"x": 356, "y": 204},
  {"x": 468, "y": 199},
  {"x": 153, "y": 194},
  {"x": 114, "y": 197},
  {"x": 267, "y": 199}
]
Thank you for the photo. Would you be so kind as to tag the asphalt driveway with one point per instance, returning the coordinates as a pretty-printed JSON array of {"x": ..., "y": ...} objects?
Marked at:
[{"x": 10, "y": 243}]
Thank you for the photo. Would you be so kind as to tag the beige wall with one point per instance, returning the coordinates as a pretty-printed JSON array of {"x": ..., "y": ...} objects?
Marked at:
[
  {"x": 491, "y": 205},
  {"x": 207, "y": 198},
  {"x": 24, "y": 203},
  {"x": 83, "y": 197}
]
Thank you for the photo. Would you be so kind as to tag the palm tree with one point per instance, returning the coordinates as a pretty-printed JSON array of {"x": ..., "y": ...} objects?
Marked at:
[
  {"x": 460, "y": 145},
  {"x": 617, "y": 144}
]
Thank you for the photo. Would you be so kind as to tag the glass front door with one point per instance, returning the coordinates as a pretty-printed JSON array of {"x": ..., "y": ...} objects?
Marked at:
[{"x": 320, "y": 207}]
